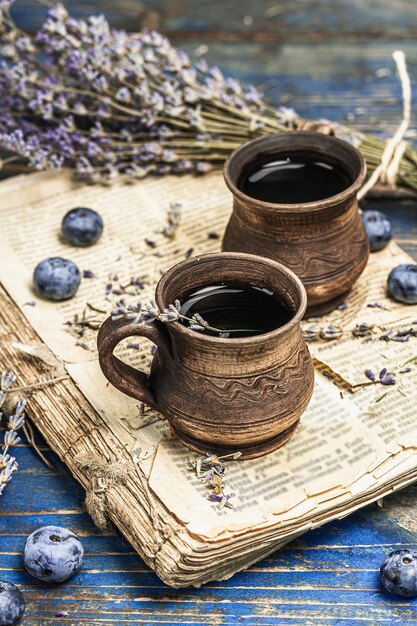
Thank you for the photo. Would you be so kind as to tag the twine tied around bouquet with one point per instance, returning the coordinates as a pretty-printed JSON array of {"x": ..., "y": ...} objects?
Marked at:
[
  {"x": 103, "y": 476},
  {"x": 387, "y": 170}
]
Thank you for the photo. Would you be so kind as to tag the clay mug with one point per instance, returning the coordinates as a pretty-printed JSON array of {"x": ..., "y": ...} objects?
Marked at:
[
  {"x": 219, "y": 394},
  {"x": 323, "y": 242}
]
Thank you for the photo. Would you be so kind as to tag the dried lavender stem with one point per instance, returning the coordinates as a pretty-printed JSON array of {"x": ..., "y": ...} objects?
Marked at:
[
  {"x": 413, "y": 358},
  {"x": 216, "y": 330},
  {"x": 45, "y": 383},
  {"x": 28, "y": 430}
]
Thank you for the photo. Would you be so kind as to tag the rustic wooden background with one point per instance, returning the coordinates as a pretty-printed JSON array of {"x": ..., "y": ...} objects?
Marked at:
[{"x": 325, "y": 59}]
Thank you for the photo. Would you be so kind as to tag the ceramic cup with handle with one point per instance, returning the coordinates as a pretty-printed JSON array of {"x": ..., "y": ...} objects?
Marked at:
[{"x": 220, "y": 394}]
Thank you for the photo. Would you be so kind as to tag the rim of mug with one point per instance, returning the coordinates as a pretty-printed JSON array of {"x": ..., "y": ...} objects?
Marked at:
[
  {"x": 315, "y": 205},
  {"x": 251, "y": 339}
]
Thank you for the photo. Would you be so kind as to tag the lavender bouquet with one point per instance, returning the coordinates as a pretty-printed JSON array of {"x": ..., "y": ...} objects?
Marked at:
[{"x": 110, "y": 104}]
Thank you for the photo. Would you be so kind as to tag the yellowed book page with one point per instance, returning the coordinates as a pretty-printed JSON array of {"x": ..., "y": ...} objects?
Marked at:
[
  {"x": 132, "y": 247},
  {"x": 351, "y": 356},
  {"x": 330, "y": 448}
]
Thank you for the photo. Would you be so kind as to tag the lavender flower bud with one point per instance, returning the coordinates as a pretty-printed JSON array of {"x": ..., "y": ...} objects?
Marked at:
[
  {"x": 311, "y": 333},
  {"x": 120, "y": 309},
  {"x": 11, "y": 438},
  {"x": 4, "y": 459},
  {"x": 362, "y": 330},
  {"x": 383, "y": 372},
  {"x": 20, "y": 407},
  {"x": 331, "y": 332},
  {"x": 388, "y": 379},
  {"x": 8, "y": 470},
  {"x": 151, "y": 312},
  {"x": 16, "y": 421},
  {"x": 134, "y": 313},
  {"x": 400, "y": 338},
  {"x": 7, "y": 379},
  {"x": 171, "y": 314},
  {"x": 198, "y": 323},
  {"x": 369, "y": 374}
]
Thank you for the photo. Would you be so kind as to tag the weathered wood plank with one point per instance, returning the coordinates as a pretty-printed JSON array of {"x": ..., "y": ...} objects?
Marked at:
[
  {"x": 333, "y": 80},
  {"x": 265, "y": 19}
]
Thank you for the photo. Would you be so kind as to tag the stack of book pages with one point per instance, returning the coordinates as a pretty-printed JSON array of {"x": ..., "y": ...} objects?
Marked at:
[{"x": 356, "y": 442}]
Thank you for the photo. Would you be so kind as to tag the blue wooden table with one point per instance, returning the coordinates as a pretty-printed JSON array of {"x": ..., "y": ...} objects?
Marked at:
[
  {"x": 328, "y": 576},
  {"x": 325, "y": 60}
]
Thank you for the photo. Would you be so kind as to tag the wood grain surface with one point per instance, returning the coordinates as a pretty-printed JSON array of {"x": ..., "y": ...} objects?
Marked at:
[
  {"x": 329, "y": 576},
  {"x": 326, "y": 59}
]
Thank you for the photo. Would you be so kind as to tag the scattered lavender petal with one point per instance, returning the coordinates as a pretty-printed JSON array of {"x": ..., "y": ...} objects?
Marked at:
[
  {"x": 88, "y": 274},
  {"x": 400, "y": 337},
  {"x": 369, "y": 374},
  {"x": 377, "y": 305},
  {"x": 82, "y": 345},
  {"x": 214, "y": 497},
  {"x": 29, "y": 303},
  {"x": 136, "y": 282},
  {"x": 388, "y": 379}
]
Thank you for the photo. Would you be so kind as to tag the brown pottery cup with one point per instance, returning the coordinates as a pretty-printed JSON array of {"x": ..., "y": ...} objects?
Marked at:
[
  {"x": 219, "y": 394},
  {"x": 323, "y": 242}
]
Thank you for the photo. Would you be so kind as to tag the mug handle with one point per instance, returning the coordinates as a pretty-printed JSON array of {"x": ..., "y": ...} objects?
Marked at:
[{"x": 124, "y": 377}]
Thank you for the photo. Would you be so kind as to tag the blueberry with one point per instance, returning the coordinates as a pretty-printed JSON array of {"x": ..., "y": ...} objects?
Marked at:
[
  {"x": 53, "y": 554},
  {"x": 402, "y": 283},
  {"x": 82, "y": 227},
  {"x": 56, "y": 278},
  {"x": 378, "y": 228},
  {"x": 399, "y": 573},
  {"x": 12, "y": 604}
]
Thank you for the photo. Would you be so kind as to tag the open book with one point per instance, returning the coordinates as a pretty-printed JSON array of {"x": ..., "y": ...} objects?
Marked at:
[{"x": 356, "y": 442}]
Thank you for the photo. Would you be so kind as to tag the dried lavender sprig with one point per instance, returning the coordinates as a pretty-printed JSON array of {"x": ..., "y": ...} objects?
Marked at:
[
  {"x": 174, "y": 220},
  {"x": 16, "y": 421},
  {"x": 211, "y": 470},
  {"x": 363, "y": 329},
  {"x": 172, "y": 313},
  {"x": 384, "y": 378}
]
